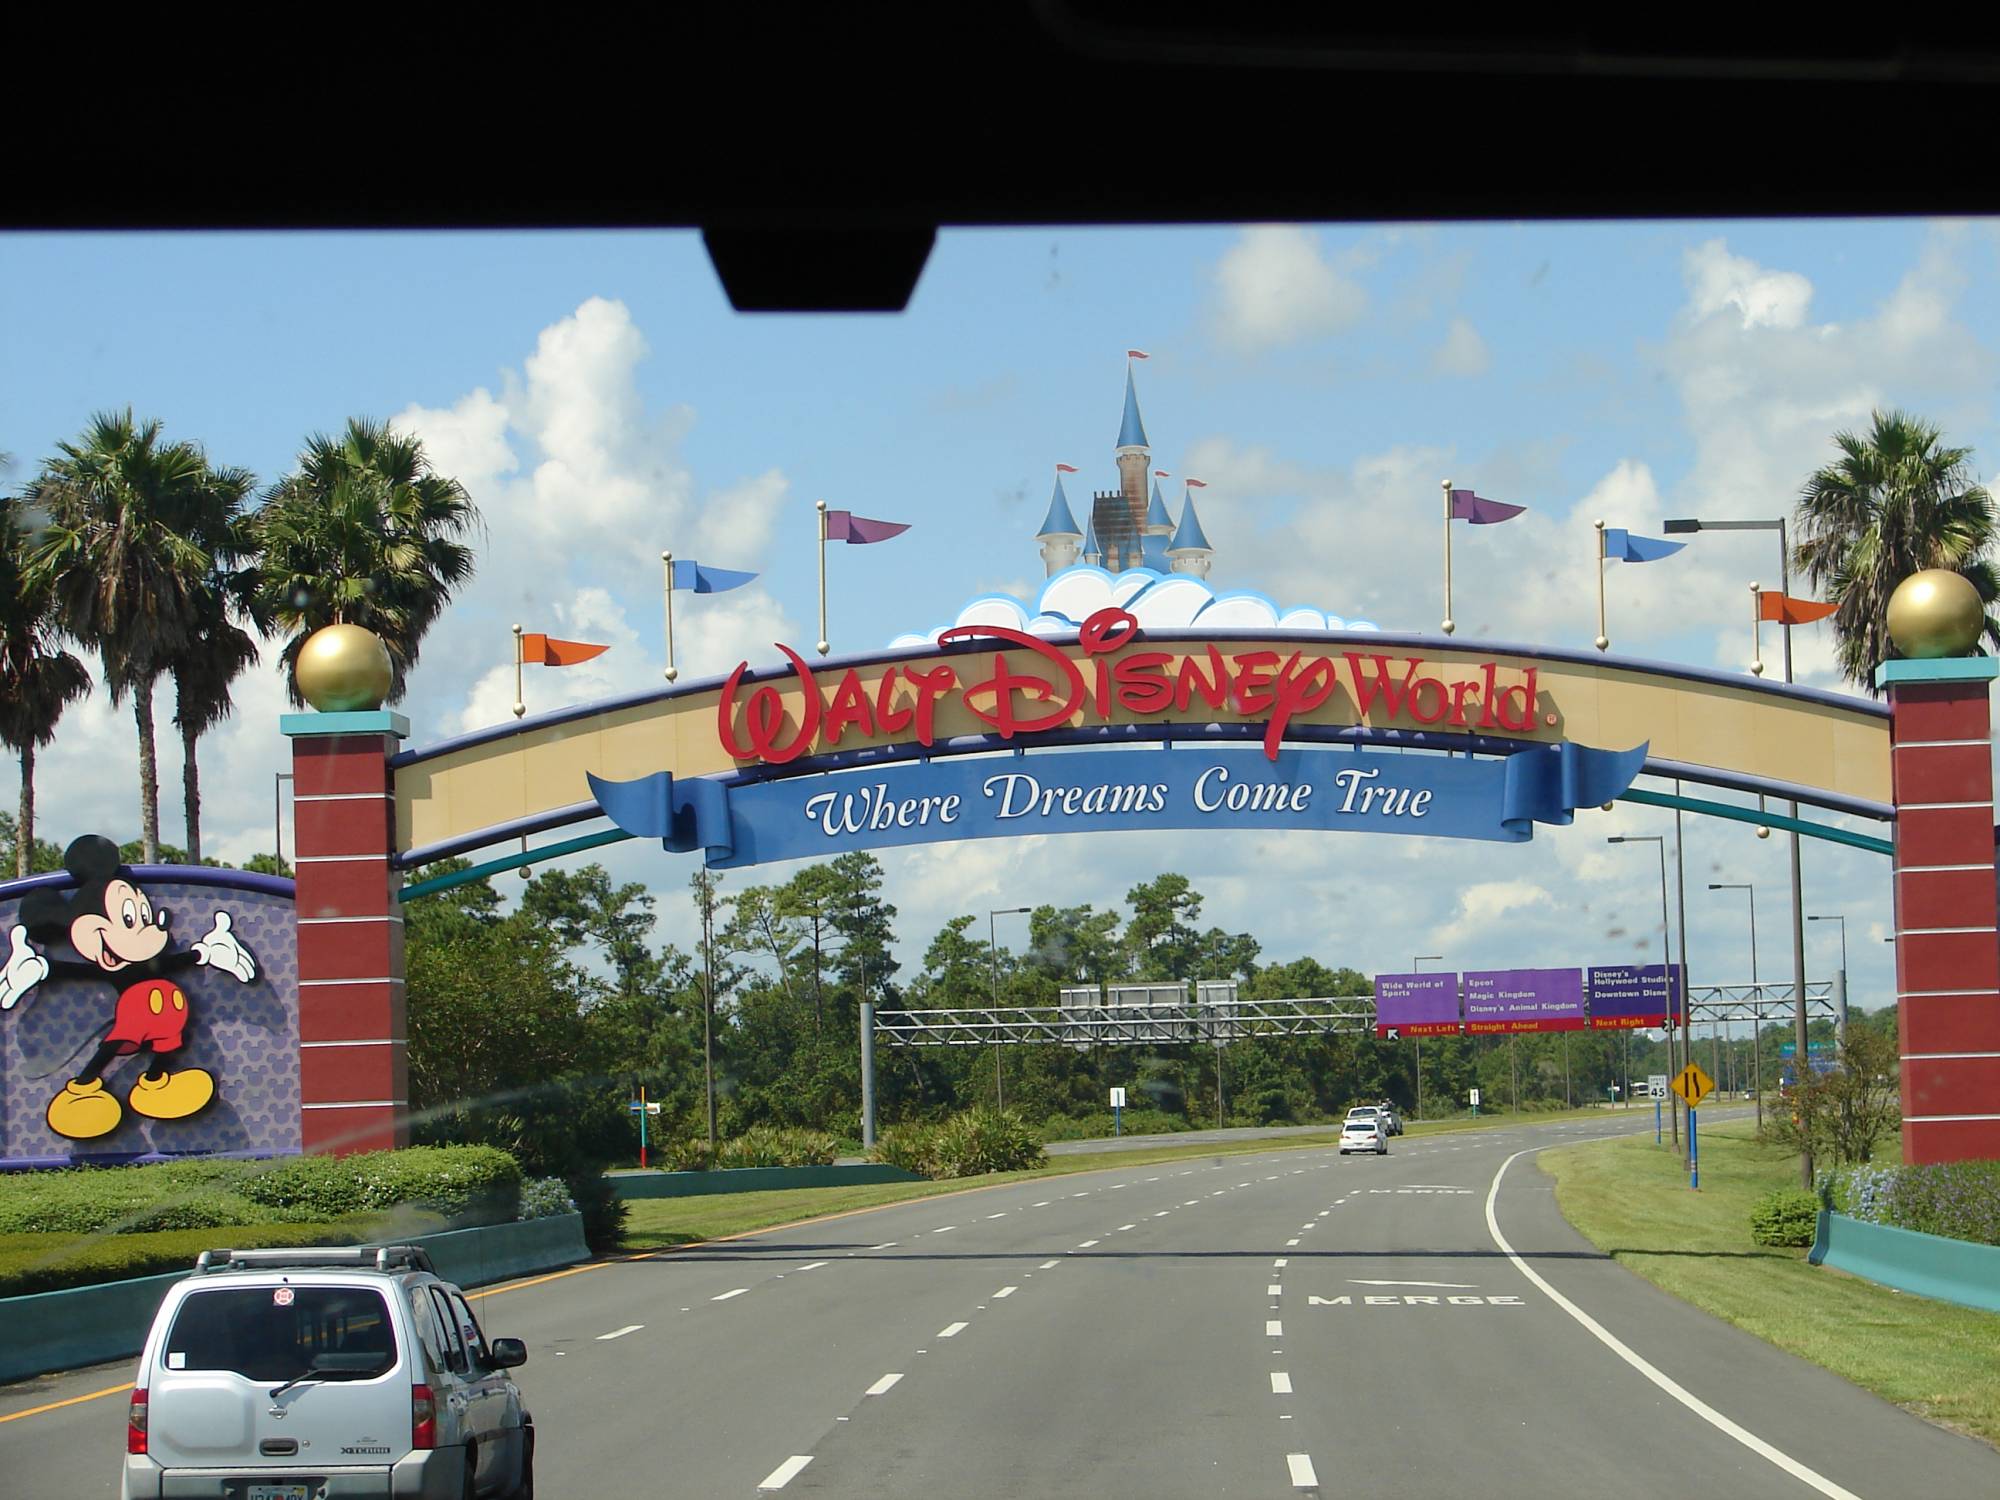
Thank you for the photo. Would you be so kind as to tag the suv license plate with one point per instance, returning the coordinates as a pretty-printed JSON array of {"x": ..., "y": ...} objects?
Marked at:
[{"x": 276, "y": 1492}]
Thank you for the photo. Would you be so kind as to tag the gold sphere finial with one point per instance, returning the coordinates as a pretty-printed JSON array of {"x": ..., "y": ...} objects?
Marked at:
[
  {"x": 343, "y": 668},
  {"x": 1935, "y": 613}
]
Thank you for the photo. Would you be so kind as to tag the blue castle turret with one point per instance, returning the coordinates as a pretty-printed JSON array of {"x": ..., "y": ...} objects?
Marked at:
[
  {"x": 1189, "y": 551},
  {"x": 1059, "y": 535}
]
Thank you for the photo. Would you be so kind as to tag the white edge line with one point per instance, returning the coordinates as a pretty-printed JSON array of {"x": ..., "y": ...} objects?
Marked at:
[
  {"x": 1638, "y": 1362},
  {"x": 786, "y": 1472}
]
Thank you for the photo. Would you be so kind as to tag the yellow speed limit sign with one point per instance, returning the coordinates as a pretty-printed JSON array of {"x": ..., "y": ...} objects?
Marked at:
[{"x": 1693, "y": 1085}]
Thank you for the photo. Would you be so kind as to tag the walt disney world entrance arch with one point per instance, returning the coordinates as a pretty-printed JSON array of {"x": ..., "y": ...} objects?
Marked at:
[{"x": 994, "y": 731}]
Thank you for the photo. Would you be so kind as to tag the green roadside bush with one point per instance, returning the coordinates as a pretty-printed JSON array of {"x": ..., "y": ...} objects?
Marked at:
[
  {"x": 777, "y": 1146},
  {"x": 459, "y": 1184},
  {"x": 967, "y": 1145},
  {"x": 1093, "y": 1126},
  {"x": 686, "y": 1155},
  {"x": 1787, "y": 1216},
  {"x": 52, "y": 1262}
]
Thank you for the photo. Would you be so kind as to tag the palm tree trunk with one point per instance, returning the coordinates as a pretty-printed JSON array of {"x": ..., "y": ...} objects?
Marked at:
[
  {"x": 191, "y": 793},
  {"x": 149, "y": 773},
  {"x": 24, "y": 851}
]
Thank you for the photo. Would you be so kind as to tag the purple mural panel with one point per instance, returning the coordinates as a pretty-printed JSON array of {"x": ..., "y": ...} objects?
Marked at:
[
  {"x": 1624, "y": 997},
  {"x": 1416, "y": 1004},
  {"x": 230, "y": 1086},
  {"x": 1513, "y": 1000}
]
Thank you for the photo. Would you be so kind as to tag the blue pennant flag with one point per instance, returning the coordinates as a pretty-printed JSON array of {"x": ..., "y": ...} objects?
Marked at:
[
  {"x": 1621, "y": 546},
  {"x": 706, "y": 580}
]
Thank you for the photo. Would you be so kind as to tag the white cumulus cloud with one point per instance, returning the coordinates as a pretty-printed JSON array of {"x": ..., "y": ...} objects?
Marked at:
[{"x": 1276, "y": 286}]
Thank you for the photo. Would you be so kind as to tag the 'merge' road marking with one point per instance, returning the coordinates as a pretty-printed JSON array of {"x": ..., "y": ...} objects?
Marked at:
[
  {"x": 619, "y": 1333},
  {"x": 953, "y": 1331},
  {"x": 882, "y": 1386},
  {"x": 739, "y": 1291},
  {"x": 1301, "y": 1465},
  {"x": 786, "y": 1472}
]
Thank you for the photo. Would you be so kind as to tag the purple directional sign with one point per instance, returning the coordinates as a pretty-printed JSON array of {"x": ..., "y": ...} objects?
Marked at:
[
  {"x": 1511, "y": 1000},
  {"x": 1626, "y": 996},
  {"x": 1416, "y": 1004}
]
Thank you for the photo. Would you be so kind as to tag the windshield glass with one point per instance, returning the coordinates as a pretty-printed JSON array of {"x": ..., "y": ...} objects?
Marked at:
[{"x": 281, "y": 1333}]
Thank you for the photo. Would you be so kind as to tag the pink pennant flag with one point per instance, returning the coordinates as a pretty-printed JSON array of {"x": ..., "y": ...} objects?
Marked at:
[
  {"x": 1137, "y": 354},
  {"x": 1066, "y": 468},
  {"x": 1195, "y": 484},
  {"x": 859, "y": 531}
]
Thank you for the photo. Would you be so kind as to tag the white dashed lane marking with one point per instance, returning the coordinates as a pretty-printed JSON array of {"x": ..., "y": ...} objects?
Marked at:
[
  {"x": 814, "y": 1266},
  {"x": 1274, "y": 1290},
  {"x": 1301, "y": 1465},
  {"x": 1281, "y": 1383},
  {"x": 952, "y": 1331},
  {"x": 886, "y": 1245},
  {"x": 786, "y": 1472},
  {"x": 619, "y": 1333},
  {"x": 882, "y": 1386},
  {"x": 1273, "y": 1329},
  {"x": 739, "y": 1291},
  {"x": 1045, "y": 1265}
]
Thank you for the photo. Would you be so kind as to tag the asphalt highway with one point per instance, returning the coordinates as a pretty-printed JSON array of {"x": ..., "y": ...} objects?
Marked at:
[{"x": 1275, "y": 1324}]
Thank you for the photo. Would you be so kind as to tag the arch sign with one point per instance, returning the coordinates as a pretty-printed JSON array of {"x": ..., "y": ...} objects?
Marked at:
[{"x": 989, "y": 730}]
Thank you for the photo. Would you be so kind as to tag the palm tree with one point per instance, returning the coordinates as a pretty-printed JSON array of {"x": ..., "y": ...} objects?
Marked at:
[
  {"x": 1895, "y": 502},
  {"x": 38, "y": 680},
  {"x": 219, "y": 652},
  {"x": 365, "y": 533},
  {"x": 122, "y": 564}
]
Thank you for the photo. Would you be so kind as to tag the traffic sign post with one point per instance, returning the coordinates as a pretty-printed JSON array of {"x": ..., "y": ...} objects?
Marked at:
[
  {"x": 1118, "y": 1111},
  {"x": 1475, "y": 1101},
  {"x": 1656, "y": 1090},
  {"x": 645, "y": 1112},
  {"x": 1693, "y": 1085}
]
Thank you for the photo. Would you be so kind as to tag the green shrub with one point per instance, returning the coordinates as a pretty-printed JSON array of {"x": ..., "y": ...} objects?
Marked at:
[
  {"x": 777, "y": 1146},
  {"x": 689, "y": 1155},
  {"x": 1787, "y": 1216},
  {"x": 910, "y": 1147},
  {"x": 603, "y": 1210},
  {"x": 466, "y": 1184},
  {"x": 984, "y": 1140},
  {"x": 1100, "y": 1124},
  {"x": 51, "y": 1262}
]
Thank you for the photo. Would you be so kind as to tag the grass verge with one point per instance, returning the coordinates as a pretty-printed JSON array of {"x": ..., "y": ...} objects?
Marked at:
[
  {"x": 1631, "y": 1199},
  {"x": 660, "y": 1223}
]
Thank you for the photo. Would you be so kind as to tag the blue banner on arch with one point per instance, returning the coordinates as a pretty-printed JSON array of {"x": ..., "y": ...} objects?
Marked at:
[{"x": 1191, "y": 789}]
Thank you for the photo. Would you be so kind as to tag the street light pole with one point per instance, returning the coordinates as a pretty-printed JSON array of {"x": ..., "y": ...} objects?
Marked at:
[
  {"x": 1666, "y": 957},
  {"x": 1840, "y": 1014},
  {"x": 1420, "y": 958},
  {"x": 1792, "y": 808},
  {"x": 993, "y": 959}
]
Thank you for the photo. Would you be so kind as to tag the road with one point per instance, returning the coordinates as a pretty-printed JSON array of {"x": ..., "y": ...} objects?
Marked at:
[{"x": 1278, "y": 1323}]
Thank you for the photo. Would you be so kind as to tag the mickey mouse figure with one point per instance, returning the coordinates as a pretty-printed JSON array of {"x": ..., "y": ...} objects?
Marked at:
[{"x": 119, "y": 935}]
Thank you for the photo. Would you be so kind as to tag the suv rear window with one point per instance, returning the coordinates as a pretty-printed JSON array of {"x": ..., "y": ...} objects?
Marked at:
[{"x": 284, "y": 1332}]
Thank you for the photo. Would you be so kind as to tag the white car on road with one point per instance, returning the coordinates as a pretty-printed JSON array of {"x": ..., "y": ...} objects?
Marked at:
[
  {"x": 325, "y": 1373},
  {"x": 1364, "y": 1133}
]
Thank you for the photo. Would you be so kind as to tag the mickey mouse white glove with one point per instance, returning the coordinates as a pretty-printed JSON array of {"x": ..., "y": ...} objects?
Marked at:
[
  {"x": 220, "y": 950},
  {"x": 24, "y": 970}
]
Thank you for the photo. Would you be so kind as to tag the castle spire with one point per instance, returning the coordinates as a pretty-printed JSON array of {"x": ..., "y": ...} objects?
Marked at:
[
  {"x": 1059, "y": 535},
  {"x": 1189, "y": 551},
  {"x": 1131, "y": 431}
]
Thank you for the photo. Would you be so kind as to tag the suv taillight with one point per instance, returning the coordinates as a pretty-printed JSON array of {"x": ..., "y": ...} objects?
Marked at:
[
  {"x": 135, "y": 1423},
  {"x": 423, "y": 1418}
]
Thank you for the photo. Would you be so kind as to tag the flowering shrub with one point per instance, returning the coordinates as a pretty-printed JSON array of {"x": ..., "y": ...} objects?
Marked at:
[
  {"x": 1958, "y": 1199},
  {"x": 545, "y": 1197}
]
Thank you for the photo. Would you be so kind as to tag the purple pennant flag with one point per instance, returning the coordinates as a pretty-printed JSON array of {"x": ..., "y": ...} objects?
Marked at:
[
  {"x": 858, "y": 531},
  {"x": 1466, "y": 506}
]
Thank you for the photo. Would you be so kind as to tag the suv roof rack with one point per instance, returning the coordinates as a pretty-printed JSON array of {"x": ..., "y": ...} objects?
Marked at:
[{"x": 346, "y": 1257}]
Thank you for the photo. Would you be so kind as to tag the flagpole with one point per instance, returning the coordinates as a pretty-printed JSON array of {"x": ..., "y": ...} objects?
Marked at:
[
  {"x": 820, "y": 505},
  {"x": 1448, "y": 626},
  {"x": 667, "y": 567},
  {"x": 1756, "y": 631},
  {"x": 520, "y": 703},
  {"x": 1603, "y": 640}
]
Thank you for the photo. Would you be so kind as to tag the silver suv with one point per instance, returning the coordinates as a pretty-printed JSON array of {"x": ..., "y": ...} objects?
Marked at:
[{"x": 319, "y": 1374}]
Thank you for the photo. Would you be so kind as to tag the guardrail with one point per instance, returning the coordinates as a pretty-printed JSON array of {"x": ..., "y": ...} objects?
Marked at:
[
  {"x": 88, "y": 1325},
  {"x": 1928, "y": 1265}
]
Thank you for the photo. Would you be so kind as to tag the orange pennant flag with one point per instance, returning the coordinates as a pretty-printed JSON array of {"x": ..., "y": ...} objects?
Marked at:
[
  {"x": 547, "y": 651},
  {"x": 1785, "y": 610}
]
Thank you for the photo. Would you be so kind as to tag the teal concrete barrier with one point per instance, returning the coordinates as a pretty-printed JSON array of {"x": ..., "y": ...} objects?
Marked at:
[
  {"x": 88, "y": 1325},
  {"x": 751, "y": 1180},
  {"x": 1927, "y": 1264}
]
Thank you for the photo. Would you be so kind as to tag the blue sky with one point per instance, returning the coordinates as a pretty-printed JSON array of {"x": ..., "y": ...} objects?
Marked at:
[{"x": 603, "y": 402}]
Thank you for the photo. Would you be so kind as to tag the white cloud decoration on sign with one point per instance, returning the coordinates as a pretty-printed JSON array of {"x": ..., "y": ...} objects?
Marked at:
[{"x": 1159, "y": 601}]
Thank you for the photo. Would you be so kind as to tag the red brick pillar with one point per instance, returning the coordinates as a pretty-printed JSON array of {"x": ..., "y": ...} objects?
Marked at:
[
  {"x": 353, "y": 1045},
  {"x": 1947, "y": 949}
]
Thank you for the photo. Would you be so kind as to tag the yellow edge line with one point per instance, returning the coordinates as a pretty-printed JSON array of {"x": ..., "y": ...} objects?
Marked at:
[{"x": 36, "y": 1411}]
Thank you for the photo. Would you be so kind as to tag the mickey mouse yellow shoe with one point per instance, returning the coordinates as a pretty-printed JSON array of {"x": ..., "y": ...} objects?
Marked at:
[
  {"x": 84, "y": 1111},
  {"x": 172, "y": 1096}
]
